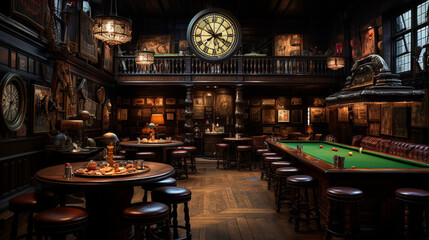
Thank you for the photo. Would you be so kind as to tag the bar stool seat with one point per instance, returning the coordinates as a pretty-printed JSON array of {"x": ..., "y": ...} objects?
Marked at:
[
  {"x": 301, "y": 203},
  {"x": 61, "y": 220},
  {"x": 173, "y": 196},
  {"x": 262, "y": 150},
  {"x": 191, "y": 150},
  {"x": 244, "y": 156},
  {"x": 178, "y": 161},
  {"x": 123, "y": 152},
  {"x": 269, "y": 160},
  {"x": 119, "y": 157},
  {"x": 162, "y": 183},
  {"x": 282, "y": 193},
  {"x": 146, "y": 155},
  {"x": 345, "y": 223},
  {"x": 222, "y": 150},
  {"x": 416, "y": 203},
  {"x": 146, "y": 214}
]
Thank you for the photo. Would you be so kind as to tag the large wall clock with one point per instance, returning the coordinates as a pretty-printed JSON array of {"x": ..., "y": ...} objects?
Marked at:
[
  {"x": 214, "y": 35},
  {"x": 13, "y": 101}
]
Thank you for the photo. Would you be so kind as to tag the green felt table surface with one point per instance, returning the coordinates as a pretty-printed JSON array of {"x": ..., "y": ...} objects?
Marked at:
[{"x": 366, "y": 159}]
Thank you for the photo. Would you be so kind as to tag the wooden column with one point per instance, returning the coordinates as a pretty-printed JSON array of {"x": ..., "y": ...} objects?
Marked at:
[
  {"x": 189, "y": 122},
  {"x": 239, "y": 109}
]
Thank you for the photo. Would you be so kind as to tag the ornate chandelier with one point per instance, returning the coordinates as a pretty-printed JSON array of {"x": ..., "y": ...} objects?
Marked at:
[
  {"x": 112, "y": 29},
  {"x": 335, "y": 63},
  {"x": 144, "y": 57}
]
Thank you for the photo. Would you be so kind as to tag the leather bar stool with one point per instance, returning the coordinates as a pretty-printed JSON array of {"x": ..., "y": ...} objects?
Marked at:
[
  {"x": 301, "y": 204},
  {"x": 146, "y": 214},
  {"x": 346, "y": 199},
  {"x": 178, "y": 161},
  {"x": 274, "y": 163},
  {"x": 263, "y": 156},
  {"x": 57, "y": 222},
  {"x": 147, "y": 156},
  {"x": 259, "y": 158},
  {"x": 122, "y": 152},
  {"x": 29, "y": 203},
  {"x": 416, "y": 203},
  {"x": 162, "y": 183},
  {"x": 173, "y": 196},
  {"x": 119, "y": 157},
  {"x": 191, "y": 150},
  {"x": 244, "y": 156},
  {"x": 222, "y": 150},
  {"x": 282, "y": 195}
]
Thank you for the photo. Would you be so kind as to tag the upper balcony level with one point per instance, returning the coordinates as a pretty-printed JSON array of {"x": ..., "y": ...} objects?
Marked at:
[{"x": 238, "y": 69}]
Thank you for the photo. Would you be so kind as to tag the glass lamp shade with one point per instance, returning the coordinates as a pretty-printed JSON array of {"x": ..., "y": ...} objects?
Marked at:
[
  {"x": 157, "y": 119},
  {"x": 112, "y": 29},
  {"x": 144, "y": 57},
  {"x": 335, "y": 63},
  {"x": 110, "y": 137}
]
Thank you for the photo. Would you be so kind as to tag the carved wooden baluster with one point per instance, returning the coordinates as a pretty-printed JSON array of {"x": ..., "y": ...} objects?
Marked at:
[
  {"x": 239, "y": 109},
  {"x": 189, "y": 122}
]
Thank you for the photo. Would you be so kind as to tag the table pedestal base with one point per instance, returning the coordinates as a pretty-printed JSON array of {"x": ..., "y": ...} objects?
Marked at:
[{"x": 105, "y": 206}]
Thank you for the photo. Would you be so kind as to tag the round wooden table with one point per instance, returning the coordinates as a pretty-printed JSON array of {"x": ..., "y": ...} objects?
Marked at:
[
  {"x": 233, "y": 143},
  {"x": 159, "y": 148},
  {"x": 105, "y": 197}
]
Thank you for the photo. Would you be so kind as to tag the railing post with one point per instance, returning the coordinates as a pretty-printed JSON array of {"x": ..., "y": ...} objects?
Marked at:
[{"x": 240, "y": 64}]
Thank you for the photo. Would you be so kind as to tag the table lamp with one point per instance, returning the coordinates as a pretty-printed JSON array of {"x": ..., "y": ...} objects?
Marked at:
[{"x": 157, "y": 119}]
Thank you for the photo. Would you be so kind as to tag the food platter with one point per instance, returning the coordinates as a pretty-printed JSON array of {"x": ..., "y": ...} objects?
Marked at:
[
  {"x": 109, "y": 172},
  {"x": 156, "y": 141}
]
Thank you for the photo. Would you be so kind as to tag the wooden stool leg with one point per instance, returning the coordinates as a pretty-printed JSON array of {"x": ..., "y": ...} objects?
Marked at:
[
  {"x": 218, "y": 158},
  {"x": 316, "y": 209},
  {"x": 347, "y": 216},
  {"x": 14, "y": 230},
  {"x": 307, "y": 205},
  {"x": 406, "y": 219},
  {"x": 328, "y": 221},
  {"x": 30, "y": 221},
  {"x": 297, "y": 207},
  {"x": 175, "y": 223},
  {"x": 187, "y": 221},
  {"x": 148, "y": 232}
]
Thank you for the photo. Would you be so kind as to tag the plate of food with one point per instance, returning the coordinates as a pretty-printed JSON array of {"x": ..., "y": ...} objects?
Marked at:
[{"x": 93, "y": 169}]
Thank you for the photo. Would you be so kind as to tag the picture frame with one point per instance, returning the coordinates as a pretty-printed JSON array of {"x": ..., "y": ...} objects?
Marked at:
[
  {"x": 22, "y": 62},
  {"x": 32, "y": 16},
  {"x": 255, "y": 102},
  {"x": 208, "y": 112},
  {"x": 169, "y": 116},
  {"x": 295, "y": 101},
  {"x": 374, "y": 113},
  {"x": 159, "y": 101},
  {"x": 255, "y": 114},
  {"x": 150, "y": 101},
  {"x": 317, "y": 115},
  {"x": 198, "y": 101},
  {"x": 318, "y": 102},
  {"x": 138, "y": 101},
  {"x": 160, "y": 44},
  {"x": 124, "y": 114},
  {"x": 224, "y": 106},
  {"x": 343, "y": 114},
  {"x": 268, "y": 116},
  {"x": 360, "y": 115},
  {"x": 208, "y": 100},
  {"x": 198, "y": 112},
  {"x": 296, "y": 115},
  {"x": 170, "y": 101},
  {"x": 280, "y": 102},
  {"x": 400, "y": 125},
  {"x": 283, "y": 116},
  {"x": 374, "y": 129},
  {"x": 386, "y": 119},
  {"x": 268, "y": 102},
  {"x": 87, "y": 43},
  {"x": 108, "y": 58},
  {"x": 41, "y": 118},
  {"x": 283, "y": 44}
]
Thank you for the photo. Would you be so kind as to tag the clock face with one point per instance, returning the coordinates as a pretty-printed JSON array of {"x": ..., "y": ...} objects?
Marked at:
[
  {"x": 214, "y": 35},
  {"x": 13, "y": 101}
]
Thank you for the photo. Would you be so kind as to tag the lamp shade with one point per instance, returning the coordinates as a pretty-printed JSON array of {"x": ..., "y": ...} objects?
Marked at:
[
  {"x": 112, "y": 29},
  {"x": 157, "y": 119},
  {"x": 144, "y": 57},
  {"x": 109, "y": 137},
  {"x": 335, "y": 63}
]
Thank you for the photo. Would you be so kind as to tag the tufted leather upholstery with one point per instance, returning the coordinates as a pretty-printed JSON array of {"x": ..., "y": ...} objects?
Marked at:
[
  {"x": 397, "y": 148},
  {"x": 356, "y": 140}
]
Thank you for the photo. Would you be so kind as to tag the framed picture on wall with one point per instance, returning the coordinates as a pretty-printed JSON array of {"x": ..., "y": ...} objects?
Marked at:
[
  {"x": 87, "y": 43},
  {"x": 198, "y": 112},
  {"x": 268, "y": 116},
  {"x": 255, "y": 114},
  {"x": 268, "y": 102},
  {"x": 198, "y": 101},
  {"x": 400, "y": 126},
  {"x": 159, "y": 101},
  {"x": 386, "y": 119},
  {"x": 283, "y": 116},
  {"x": 296, "y": 101},
  {"x": 374, "y": 112},
  {"x": 160, "y": 44},
  {"x": 169, "y": 116},
  {"x": 29, "y": 12},
  {"x": 150, "y": 101},
  {"x": 360, "y": 115},
  {"x": 138, "y": 101},
  {"x": 170, "y": 101},
  {"x": 296, "y": 115},
  {"x": 317, "y": 114},
  {"x": 41, "y": 117},
  {"x": 208, "y": 100},
  {"x": 280, "y": 102}
]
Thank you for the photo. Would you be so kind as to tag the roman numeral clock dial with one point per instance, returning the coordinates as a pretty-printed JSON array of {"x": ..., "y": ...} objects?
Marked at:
[
  {"x": 214, "y": 35},
  {"x": 13, "y": 101}
]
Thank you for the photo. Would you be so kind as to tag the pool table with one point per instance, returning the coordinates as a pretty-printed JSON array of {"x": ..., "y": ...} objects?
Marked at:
[{"x": 376, "y": 174}]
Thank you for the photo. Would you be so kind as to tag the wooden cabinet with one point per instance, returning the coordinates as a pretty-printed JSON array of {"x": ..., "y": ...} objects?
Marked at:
[{"x": 210, "y": 141}]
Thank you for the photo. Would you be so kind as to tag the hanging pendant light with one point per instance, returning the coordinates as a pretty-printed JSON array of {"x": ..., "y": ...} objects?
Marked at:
[
  {"x": 144, "y": 57},
  {"x": 112, "y": 29},
  {"x": 335, "y": 63}
]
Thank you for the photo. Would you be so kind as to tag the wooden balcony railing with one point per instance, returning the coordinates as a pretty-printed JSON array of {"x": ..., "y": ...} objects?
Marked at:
[{"x": 239, "y": 65}]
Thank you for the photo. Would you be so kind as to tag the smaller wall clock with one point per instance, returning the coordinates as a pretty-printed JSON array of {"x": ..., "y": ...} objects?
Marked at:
[
  {"x": 13, "y": 101},
  {"x": 214, "y": 35}
]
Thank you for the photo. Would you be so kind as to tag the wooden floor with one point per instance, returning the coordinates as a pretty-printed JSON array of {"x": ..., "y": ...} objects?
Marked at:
[{"x": 230, "y": 204}]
